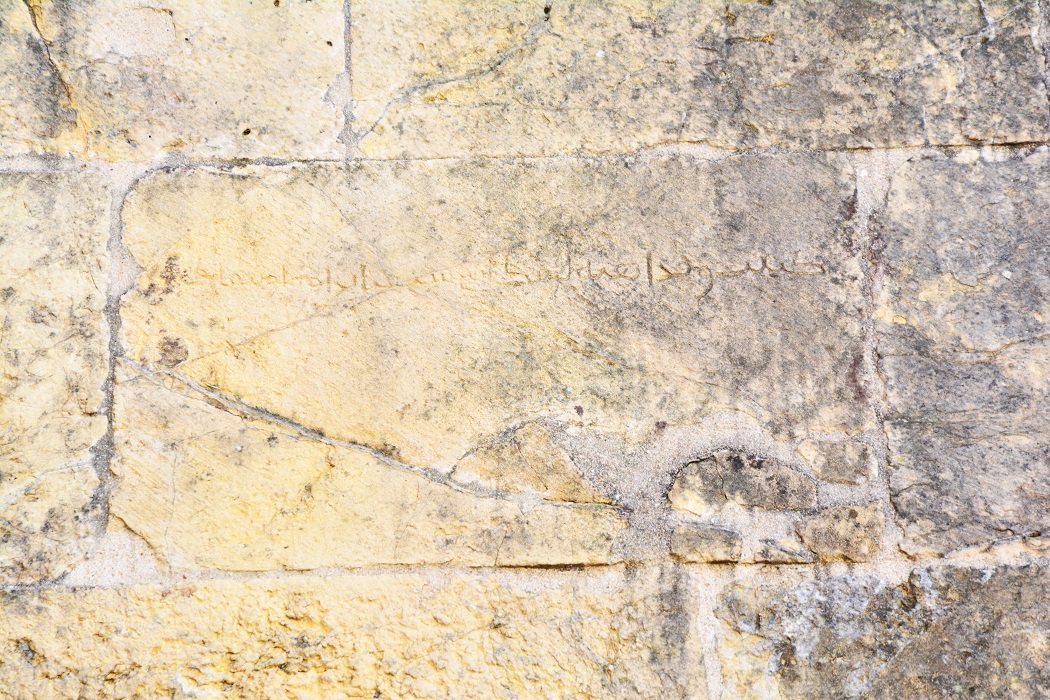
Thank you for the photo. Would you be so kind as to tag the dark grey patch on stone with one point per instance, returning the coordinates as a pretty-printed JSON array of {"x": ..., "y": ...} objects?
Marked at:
[
  {"x": 965, "y": 342},
  {"x": 945, "y": 632}
]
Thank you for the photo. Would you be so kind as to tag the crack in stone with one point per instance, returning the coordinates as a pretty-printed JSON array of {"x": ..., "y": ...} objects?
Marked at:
[{"x": 242, "y": 409}]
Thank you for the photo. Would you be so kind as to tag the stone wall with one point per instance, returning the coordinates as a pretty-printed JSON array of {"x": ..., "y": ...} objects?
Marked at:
[{"x": 591, "y": 349}]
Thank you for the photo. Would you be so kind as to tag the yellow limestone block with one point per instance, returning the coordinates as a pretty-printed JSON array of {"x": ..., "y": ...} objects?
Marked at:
[
  {"x": 433, "y": 78},
  {"x": 422, "y": 308},
  {"x": 220, "y": 79},
  {"x": 214, "y": 489},
  {"x": 53, "y": 363},
  {"x": 528, "y": 635}
]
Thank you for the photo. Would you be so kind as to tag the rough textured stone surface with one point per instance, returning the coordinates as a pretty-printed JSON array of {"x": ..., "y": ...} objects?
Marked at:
[
  {"x": 698, "y": 544},
  {"x": 730, "y": 477},
  {"x": 423, "y": 308},
  {"x": 383, "y": 636},
  {"x": 964, "y": 323},
  {"x": 593, "y": 349},
  {"x": 226, "y": 79},
  {"x": 942, "y": 633},
  {"x": 433, "y": 78},
  {"x": 53, "y": 363}
]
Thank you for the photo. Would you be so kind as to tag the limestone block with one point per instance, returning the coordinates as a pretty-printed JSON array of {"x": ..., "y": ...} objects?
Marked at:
[
  {"x": 421, "y": 309},
  {"x": 534, "y": 635},
  {"x": 53, "y": 363},
  {"x": 943, "y": 632},
  {"x": 210, "y": 487},
  {"x": 218, "y": 79},
  {"x": 436, "y": 79},
  {"x": 852, "y": 533},
  {"x": 963, "y": 327},
  {"x": 701, "y": 544}
]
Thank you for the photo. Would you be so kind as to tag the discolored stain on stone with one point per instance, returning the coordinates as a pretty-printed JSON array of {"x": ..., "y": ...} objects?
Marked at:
[
  {"x": 964, "y": 337},
  {"x": 852, "y": 533},
  {"x": 702, "y": 544},
  {"x": 944, "y": 632},
  {"x": 439, "y": 79},
  {"x": 36, "y": 109},
  {"x": 53, "y": 363}
]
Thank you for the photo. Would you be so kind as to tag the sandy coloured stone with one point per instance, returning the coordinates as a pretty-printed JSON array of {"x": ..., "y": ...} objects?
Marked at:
[
  {"x": 851, "y": 533},
  {"x": 35, "y": 109},
  {"x": 219, "y": 79},
  {"x": 53, "y": 363},
  {"x": 437, "y": 79},
  {"x": 963, "y": 323},
  {"x": 209, "y": 486},
  {"x": 843, "y": 462},
  {"x": 544, "y": 634},
  {"x": 944, "y": 632},
  {"x": 423, "y": 308},
  {"x": 704, "y": 544}
]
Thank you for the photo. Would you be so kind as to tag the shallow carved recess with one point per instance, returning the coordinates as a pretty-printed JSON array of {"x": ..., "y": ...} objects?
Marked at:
[
  {"x": 440, "y": 79},
  {"x": 53, "y": 363},
  {"x": 964, "y": 337}
]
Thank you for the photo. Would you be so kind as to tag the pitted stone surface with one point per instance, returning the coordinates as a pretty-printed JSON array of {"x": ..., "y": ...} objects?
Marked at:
[
  {"x": 964, "y": 336},
  {"x": 593, "y": 349},
  {"x": 53, "y": 363},
  {"x": 554, "y": 635},
  {"x": 944, "y": 632},
  {"x": 439, "y": 79}
]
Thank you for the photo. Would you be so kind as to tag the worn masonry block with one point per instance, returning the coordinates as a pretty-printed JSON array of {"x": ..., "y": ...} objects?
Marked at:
[
  {"x": 216, "y": 79},
  {"x": 434, "y": 79},
  {"x": 418, "y": 324},
  {"x": 53, "y": 363},
  {"x": 35, "y": 109},
  {"x": 214, "y": 490},
  {"x": 963, "y": 328},
  {"x": 539, "y": 635},
  {"x": 944, "y": 632}
]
